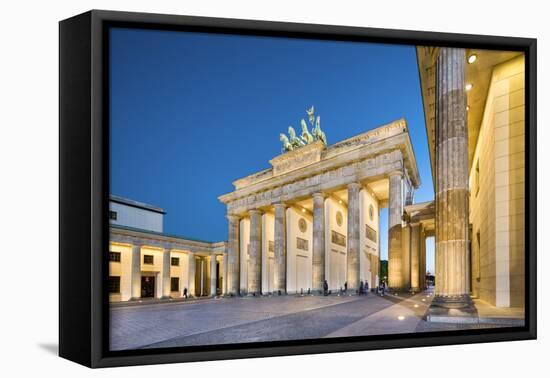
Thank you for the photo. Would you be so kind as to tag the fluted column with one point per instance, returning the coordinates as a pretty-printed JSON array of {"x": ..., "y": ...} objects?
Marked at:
[
  {"x": 280, "y": 248},
  {"x": 166, "y": 274},
  {"x": 233, "y": 252},
  {"x": 136, "y": 272},
  {"x": 318, "y": 242},
  {"x": 451, "y": 171},
  {"x": 213, "y": 276},
  {"x": 415, "y": 256},
  {"x": 255, "y": 253},
  {"x": 394, "y": 230},
  {"x": 353, "y": 267}
]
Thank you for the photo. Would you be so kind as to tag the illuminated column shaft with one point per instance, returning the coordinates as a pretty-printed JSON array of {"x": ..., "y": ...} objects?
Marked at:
[
  {"x": 233, "y": 255},
  {"x": 136, "y": 272},
  {"x": 394, "y": 230},
  {"x": 224, "y": 277},
  {"x": 415, "y": 256},
  {"x": 318, "y": 241},
  {"x": 280, "y": 248},
  {"x": 166, "y": 274},
  {"x": 406, "y": 257},
  {"x": 191, "y": 275},
  {"x": 451, "y": 166},
  {"x": 353, "y": 267},
  {"x": 255, "y": 253},
  {"x": 213, "y": 276}
]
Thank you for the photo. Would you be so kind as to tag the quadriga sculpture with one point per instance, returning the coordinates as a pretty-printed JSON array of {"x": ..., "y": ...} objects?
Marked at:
[
  {"x": 293, "y": 141},
  {"x": 286, "y": 144}
]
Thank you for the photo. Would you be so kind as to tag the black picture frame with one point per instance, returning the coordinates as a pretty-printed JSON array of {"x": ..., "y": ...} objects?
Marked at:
[{"x": 84, "y": 188}]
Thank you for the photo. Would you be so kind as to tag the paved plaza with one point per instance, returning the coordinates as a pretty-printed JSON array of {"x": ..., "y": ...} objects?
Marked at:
[{"x": 252, "y": 319}]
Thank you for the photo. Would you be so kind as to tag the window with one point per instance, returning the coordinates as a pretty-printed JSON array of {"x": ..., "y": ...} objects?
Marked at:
[
  {"x": 174, "y": 284},
  {"x": 112, "y": 215},
  {"x": 175, "y": 261},
  {"x": 114, "y": 256},
  {"x": 148, "y": 259},
  {"x": 114, "y": 284},
  {"x": 477, "y": 177},
  {"x": 478, "y": 238}
]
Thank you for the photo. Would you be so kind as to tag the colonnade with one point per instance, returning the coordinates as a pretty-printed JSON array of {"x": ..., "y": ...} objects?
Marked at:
[{"x": 318, "y": 248}]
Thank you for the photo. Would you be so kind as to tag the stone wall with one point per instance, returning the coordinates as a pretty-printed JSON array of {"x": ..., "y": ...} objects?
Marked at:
[{"x": 497, "y": 194}]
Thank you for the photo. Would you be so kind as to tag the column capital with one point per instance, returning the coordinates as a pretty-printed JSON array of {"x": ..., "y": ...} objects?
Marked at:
[
  {"x": 280, "y": 205},
  {"x": 355, "y": 186},
  {"x": 319, "y": 195},
  {"x": 255, "y": 211},
  {"x": 397, "y": 172},
  {"x": 233, "y": 217}
]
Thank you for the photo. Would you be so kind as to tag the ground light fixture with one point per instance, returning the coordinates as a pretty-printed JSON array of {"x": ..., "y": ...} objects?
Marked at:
[{"x": 401, "y": 317}]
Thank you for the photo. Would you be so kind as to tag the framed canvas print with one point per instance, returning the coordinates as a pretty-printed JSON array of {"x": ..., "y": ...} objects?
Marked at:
[{"x": 234, "y": 188}]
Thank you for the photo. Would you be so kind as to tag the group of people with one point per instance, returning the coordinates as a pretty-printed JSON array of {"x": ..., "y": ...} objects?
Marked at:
[{"x": 363, "y": 288}]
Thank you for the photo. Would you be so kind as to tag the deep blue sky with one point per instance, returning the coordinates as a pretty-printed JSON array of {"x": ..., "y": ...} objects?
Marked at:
[{"x": 192, "y": 112}]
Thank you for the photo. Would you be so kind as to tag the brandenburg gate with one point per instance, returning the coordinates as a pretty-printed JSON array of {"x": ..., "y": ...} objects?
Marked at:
[{"x": 311, "y": 220}]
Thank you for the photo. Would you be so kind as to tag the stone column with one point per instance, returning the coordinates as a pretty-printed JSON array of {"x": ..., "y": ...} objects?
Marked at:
[
  {"x": 395, "y": 213},
  {"x": 213, "y": 276},
  {"x": 406, "y": 257},
  {"x": 280, "y": 248},
  {"x": 224, "y": 277},
  {"x": 233, "y": 252},
  {"x": 451, "y": 173},
  {"x": 166, "y": 274},
  {"x": 136, "y": 272},
  {"x": 415, "y": 257},
  {"x": 318, "y": 245},
  {"x": 191, "y": 275},
  {"x": 255, "y": 253},
  {"x": 423, "y": 260},
  {"x": 353, "y": 266}
]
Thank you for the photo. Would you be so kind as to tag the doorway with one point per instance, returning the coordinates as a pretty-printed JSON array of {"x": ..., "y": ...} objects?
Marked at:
[{"x": 147, "y": 287}]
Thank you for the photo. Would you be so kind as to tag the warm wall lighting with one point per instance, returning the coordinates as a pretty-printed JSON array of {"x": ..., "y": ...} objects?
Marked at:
[
  {"x": 467, "y": 108},
  {"x": 303, "y": 210},
  {"x": 469, "y": 86},
  {"x": 340, "y": 202},
  {"x": 472, "y": 58}
]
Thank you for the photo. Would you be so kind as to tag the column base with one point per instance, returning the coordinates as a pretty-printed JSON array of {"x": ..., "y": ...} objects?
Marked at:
[
  {"x": 455, "y": 309},
  {"x": 165, "y": 297}
]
